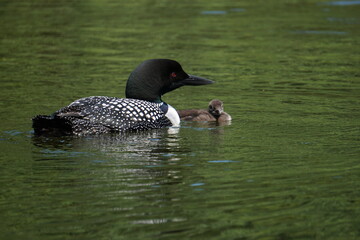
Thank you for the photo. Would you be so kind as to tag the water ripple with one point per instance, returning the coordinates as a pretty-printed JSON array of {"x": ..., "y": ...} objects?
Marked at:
[
  {"x": 218, "y": 12},
  {"x": 342, "y": 3},
  {"x": 222, "y": 161},
  {"x": 319, "y": 32}
]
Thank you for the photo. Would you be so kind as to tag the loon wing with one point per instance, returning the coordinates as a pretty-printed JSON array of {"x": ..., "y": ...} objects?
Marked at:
[{"x": 110, "y": 114}]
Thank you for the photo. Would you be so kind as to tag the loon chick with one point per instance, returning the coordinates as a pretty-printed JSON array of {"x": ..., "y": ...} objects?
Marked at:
[
  {"x": 141, "y": 109},
  {"x": 215, "y": 112}
]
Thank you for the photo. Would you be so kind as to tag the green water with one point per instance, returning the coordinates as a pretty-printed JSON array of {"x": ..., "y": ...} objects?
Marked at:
[{"x": 288, "y": 166}]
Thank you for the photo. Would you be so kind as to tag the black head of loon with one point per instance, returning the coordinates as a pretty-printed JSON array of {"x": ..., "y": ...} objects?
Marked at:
[{"x": 155, "y": 77}]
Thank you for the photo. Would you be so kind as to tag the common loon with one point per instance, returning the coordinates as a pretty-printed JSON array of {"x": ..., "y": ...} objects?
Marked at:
[
  {"x": 215, "y": 112},
  {"x": 141, "y": 109}
]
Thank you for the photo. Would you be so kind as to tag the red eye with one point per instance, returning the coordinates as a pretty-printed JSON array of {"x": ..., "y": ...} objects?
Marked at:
[{"x": 173, "y": 75}]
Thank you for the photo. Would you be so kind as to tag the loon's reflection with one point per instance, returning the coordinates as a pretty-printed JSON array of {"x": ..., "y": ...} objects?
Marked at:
[
  {"x": 155, "y": 144},
  {"x": 136, "y": 174},
  {"x": 132, "y": 144}
]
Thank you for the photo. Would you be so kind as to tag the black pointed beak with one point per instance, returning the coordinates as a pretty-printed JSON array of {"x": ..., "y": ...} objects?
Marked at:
[
  {"x": 195, "y": 81},
  {"x": 191, "y": 80}
]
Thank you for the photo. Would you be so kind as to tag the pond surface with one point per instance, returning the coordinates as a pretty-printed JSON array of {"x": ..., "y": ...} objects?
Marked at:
[{"x": 287, "y": 167}]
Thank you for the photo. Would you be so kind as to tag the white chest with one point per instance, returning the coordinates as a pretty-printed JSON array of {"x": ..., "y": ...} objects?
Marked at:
[{"x": 173, "y": 116}]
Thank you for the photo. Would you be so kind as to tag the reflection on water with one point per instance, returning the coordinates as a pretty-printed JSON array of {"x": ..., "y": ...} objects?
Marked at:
[
  {"x": 344, "y": 20},
  {"x": 132, "y": 180},
  {"x": 213, "y": 12},
  {"x": 221, "y": 12},
  {"x": 342, "y": 3},
  {"x": 140, "y": 145},
  {"x": 320, "y": 32}
]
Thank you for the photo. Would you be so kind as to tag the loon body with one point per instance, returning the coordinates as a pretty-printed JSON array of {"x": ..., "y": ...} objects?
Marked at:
[
  {"x": 141, "y": 109},
  {"x": 215, "y": 112}
]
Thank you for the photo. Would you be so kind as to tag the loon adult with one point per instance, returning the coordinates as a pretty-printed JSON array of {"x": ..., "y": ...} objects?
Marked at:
[
  {"x": 141, "y": 109},
  {"x": 215, "y": 112}
]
